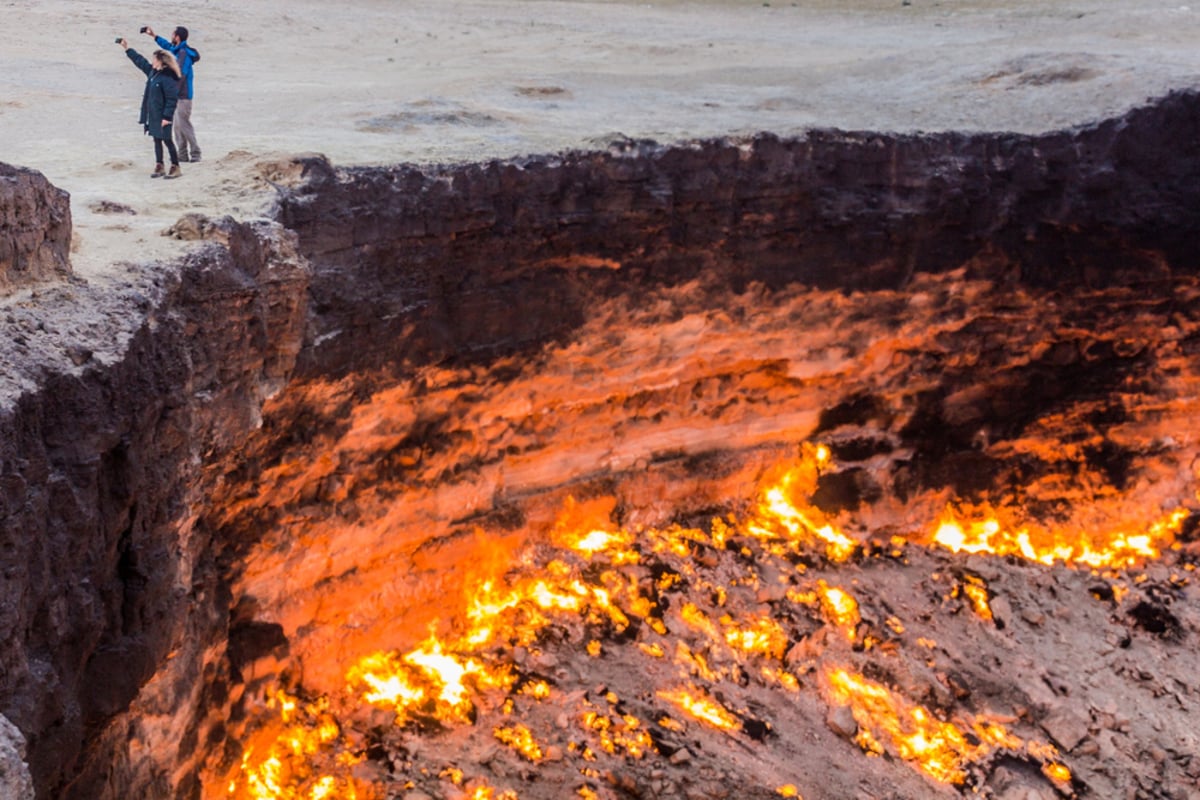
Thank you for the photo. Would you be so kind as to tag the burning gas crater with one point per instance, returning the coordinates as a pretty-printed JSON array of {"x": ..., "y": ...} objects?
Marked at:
[{"x": 713, "y": 660}]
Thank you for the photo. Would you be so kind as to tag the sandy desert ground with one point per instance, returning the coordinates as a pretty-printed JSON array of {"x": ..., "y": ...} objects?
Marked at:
[{"x": 384, "y": 81}]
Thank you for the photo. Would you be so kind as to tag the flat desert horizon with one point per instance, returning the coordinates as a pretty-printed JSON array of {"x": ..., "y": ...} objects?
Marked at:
[{"x": 387, "y": 81}]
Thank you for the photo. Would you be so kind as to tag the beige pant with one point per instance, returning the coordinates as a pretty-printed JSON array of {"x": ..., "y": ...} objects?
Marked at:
[{"x": 185, "y": 134}]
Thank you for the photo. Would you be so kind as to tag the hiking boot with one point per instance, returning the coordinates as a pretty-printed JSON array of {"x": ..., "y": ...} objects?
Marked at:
[
  {"x": 196, "y": 158},
  {"x": 158, "y": 171},
  {"x": 174, "y": 173}
]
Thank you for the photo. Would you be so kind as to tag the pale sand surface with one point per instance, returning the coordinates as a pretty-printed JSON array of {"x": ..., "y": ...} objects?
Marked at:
[{"x": 379, "y": 81}]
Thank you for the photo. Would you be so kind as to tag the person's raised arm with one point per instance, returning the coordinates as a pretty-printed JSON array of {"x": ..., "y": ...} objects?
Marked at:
[{"x": 136, "y": 57}]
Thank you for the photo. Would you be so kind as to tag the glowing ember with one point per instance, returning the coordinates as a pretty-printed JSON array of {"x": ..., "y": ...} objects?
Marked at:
[
  {"x": 286, "y": 770},
  {"x": 1057, "y": 773},
  {"x": 703, "y": 708},
  {"x": 485, "y": 792},
  {"x": 520, "y": 739},
  {"x": 721, "y": 601},
  {"x": 975, "y": 590},
  {"x": 840, "y": 607},
  {"x": 539, "y": 689},
  {"x": 622, "y": 734},
  {"x": 1112, "y": 549},
  {"x": 802, "y": 524},
  {"x": 942, "y": 750}
]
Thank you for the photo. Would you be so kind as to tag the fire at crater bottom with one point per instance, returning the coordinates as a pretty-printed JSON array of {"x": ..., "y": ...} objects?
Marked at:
[
  {"x": 725, "y": 560},
  {"x": 851, "y": 465}
]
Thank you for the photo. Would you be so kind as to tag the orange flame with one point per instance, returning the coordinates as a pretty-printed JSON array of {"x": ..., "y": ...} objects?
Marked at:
[
  {"x": 976, "y": 592},
  {"x": 1111, "y": 549},
  {"x": 703, "y": 708},
  {"x": 802, "y": 524},
  {"x": 942, "y": 750},
  {"x": 286, "y": 771},
  {"x": 520, "y": 739},
  {"x": 444, "y": 678},
  {"x": 840, "y": 606}
]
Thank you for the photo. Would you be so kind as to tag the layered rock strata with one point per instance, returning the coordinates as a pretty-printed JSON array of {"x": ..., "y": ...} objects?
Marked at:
[{"x": 297, "y": 380}]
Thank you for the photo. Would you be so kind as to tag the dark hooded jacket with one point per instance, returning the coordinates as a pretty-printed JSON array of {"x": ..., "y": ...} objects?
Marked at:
[{"x": 159, "y": 98}]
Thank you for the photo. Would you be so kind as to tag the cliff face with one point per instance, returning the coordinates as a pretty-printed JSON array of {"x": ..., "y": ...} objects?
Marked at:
[
  {"x": 304, "y": 423},
  {"x": 443, "y": 257},
  {"x": 35, "y": 229},
  {"x": 104, "y": 573}
]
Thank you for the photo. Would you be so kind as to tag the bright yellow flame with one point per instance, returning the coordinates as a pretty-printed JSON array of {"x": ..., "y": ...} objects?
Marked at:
[
  {"x": 785, "y": 516},
  {"x": 840, "y": 606},
  {"x": 406, "y": 683},
  {"x": 485, "y": 792},
  {"x": 325, "y": 788},
  {"x": 802, "y": 527},
  {"x": 286, "y": 771},
  {"x": 1113, "y": 549},
  {"x": 1057, "y": 772},
  {"x": 520, "y": 739},
  {"x": 940, "y": 749},
  {"x": 446, "y": 670},
  {"x": 977, "y": 594},
  {"x": 761, "y": 635},
  {"x": 703, "y": 708},
  {"x": 594, "y": 542},
  {"x": 615, "y": 544}
]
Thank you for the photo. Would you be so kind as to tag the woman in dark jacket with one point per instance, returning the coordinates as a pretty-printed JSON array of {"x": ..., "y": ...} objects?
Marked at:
[{"x": 158, "y": 104}]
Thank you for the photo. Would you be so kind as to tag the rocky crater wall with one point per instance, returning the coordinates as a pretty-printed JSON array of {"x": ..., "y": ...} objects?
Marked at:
[
  {"x": 35, "y": 229},
  {"x": 443, "y": 257},
  {"x": 134, "y": 485}
]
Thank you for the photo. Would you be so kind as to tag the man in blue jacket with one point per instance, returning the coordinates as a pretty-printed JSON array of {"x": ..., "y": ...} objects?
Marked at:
[{"x": 185, "y": 134}]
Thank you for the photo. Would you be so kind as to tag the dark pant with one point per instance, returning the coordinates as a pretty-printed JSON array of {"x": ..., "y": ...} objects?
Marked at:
[{"x": 158, "y": 146}]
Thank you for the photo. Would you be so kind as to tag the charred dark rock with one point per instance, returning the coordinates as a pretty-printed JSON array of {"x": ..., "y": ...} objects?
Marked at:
[
  {"x": 251, "y": 640},
  {"x": 1155, "y": 618}
]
